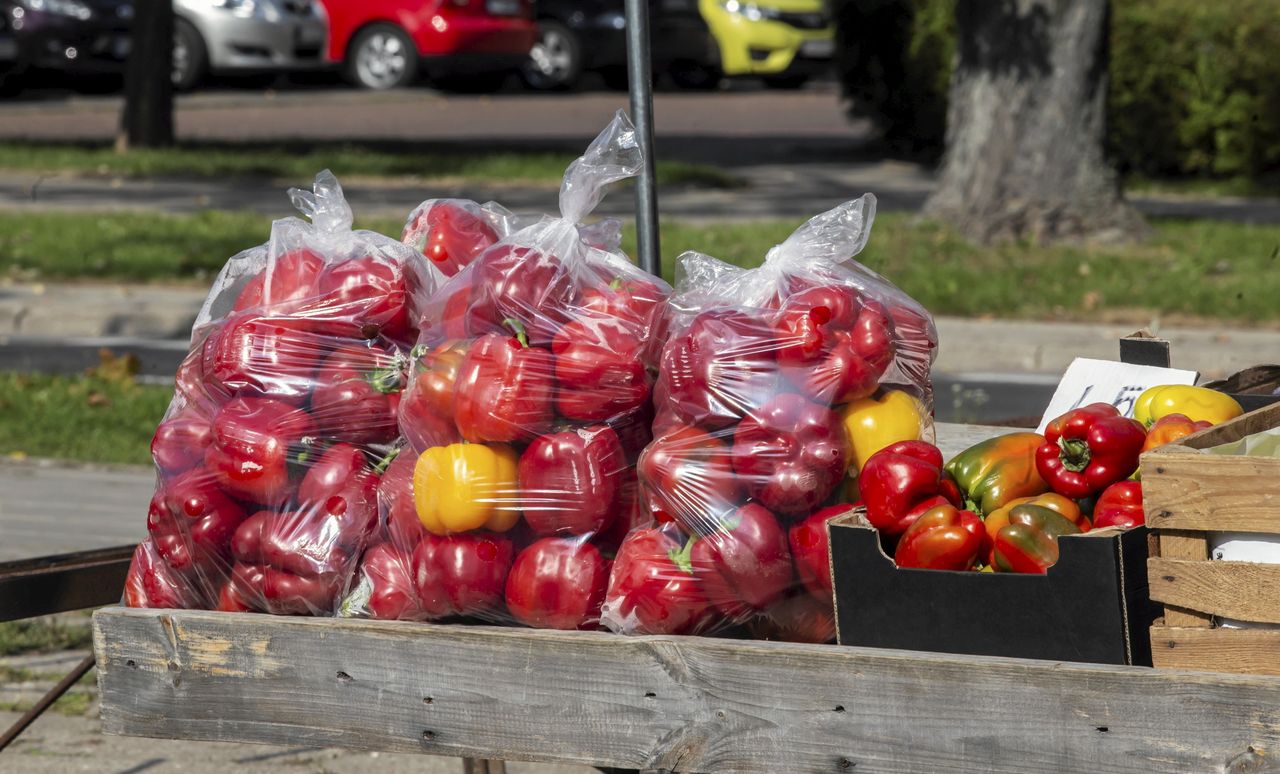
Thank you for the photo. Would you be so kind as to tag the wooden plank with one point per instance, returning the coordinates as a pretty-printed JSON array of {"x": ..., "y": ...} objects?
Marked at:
[
  {"x": 1212, "y": 493},
  {"x": 953, "y": 439},
  {"x": 1193, "y": 546},
  {"x": 1245, "y": 651},
  {"x": 679, "y": 703},
  {"x": 1245, "y": 591}
]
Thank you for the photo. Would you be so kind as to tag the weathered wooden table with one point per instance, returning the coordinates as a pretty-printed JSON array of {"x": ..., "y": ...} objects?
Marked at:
[{"x": 678, "y": 703}]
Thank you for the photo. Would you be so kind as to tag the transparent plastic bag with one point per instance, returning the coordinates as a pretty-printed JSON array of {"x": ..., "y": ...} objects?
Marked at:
[
  {"x": 284, "y": 416},
  {"x": 528, "y": 401},
  {"x": 775, "y": 383}
]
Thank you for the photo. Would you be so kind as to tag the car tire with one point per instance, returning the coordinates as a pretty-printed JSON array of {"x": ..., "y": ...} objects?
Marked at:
[
  {"x": 693, "y": 76},
  {"x": 190, "y": 56},
  {"x": 381, "y": 56},
  {"x": 786, "y": 82},
  {"x": 555, "y": 63}
]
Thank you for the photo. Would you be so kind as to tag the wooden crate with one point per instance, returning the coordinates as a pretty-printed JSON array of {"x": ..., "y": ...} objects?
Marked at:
[
  {"x": 677, "y": 703},
  {"x": 1187, "y": 495}
]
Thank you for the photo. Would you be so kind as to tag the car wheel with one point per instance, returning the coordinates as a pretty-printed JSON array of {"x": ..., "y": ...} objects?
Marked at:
[
  {"x": 190, "y": 57},
  {"x": 693, "y": 76},
  {"x": 788, "y": 82},
  {"x": 382, "y": 57},
  {"x": 555, "y": 62}
]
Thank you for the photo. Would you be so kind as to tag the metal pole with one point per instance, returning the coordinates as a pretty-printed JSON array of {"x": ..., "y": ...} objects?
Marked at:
[
  {"x": 640, "y": 76},
  {"x": 46, "y": 701}
]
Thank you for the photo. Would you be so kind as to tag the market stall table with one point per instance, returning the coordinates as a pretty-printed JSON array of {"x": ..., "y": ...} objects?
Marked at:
[{"x": 677, "y": 703}]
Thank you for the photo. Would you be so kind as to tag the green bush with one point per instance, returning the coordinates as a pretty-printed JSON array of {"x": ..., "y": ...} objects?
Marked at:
[{"x": 1195, "y": 85}]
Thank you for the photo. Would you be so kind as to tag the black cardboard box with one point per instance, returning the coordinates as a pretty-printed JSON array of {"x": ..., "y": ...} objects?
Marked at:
[{"x": 1091, "y": 606}]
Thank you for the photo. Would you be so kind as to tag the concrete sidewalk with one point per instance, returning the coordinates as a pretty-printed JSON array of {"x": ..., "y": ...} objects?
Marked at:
[{"x": 967, "y": 346}]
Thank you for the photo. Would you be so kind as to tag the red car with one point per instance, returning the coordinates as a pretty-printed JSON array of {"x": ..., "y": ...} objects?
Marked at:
[{"x": 383, "y": 44}]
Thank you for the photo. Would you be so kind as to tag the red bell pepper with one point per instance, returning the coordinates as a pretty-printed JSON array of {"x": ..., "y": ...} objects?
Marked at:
[
  {"x": 357, "y": 394},
  {"x": 362, "y": 298},
  {"x": 809, "y": 542},
  {"x": 192, "y": 521},
  {"x": 600, "y": 371},
  {"x": 1088, "y": 449},
  {"x": 835, "y": 347},
  {"x": 281, "y": 287},
  {"x": 799, "y": 618},
  {"x": 558, "y": 583},
  {"x": 152, "y": 583},
  {"x": 180, "y": 441},
  {"x": 265, "y": 356},
  {"x": 569, "y": 481},
  {"x": 1120, "y": 505},
  {"x": 451, "y": 236},
  {"x": 719, "y": 370},
  {"x": 745, "y": 563},
  {"x": 286, "y": 593},
  {"x": 791, "y": 454},
  {"x": 1029, "y": 542},
  {"x": 943, "y": 538},
  {"x": 653, "y": 589},
  {"x": 902, "y": 481},
  {"x": 462, "y": 574},
  {"x": 392, "y": 594},
  {"x": 252, "y": 443},
  {"x": 242, "y": 592},
  {"x": 631, "y": 299},
  {"x": 395, "y": 498},
  {"x": 503, "y": 390},
  {"x": 523, "y": 284},
  {"x": 688, "y": 477}
]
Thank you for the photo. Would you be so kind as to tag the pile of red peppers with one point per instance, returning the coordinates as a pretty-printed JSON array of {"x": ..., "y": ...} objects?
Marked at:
[{"x": 1001, "y": 505}]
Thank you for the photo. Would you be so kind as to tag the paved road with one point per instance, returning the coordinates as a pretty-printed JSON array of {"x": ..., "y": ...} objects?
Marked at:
[
  {"x": 47, "y": 509},
  {"x": 798, "y": 153}
]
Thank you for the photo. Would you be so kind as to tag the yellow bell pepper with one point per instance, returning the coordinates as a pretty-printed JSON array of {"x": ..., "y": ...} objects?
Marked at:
[
  {"x": 466, "y": 486},
  {"x": 1196, "y": 403},
  {"x": 874, "y": 423}
]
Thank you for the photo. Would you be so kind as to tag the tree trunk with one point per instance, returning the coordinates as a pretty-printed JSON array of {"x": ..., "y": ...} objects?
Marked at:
[
  {"x": 147, "y": 118},
  {"x": 1026, "y": 125}
]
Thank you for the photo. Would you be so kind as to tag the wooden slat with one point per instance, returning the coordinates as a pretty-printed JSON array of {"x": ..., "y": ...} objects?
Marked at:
[
  {"x": 685, "y": 704},
  {"x": 1245, "y": 591},
  {"x": 1193, "y": 546},
  {"x": 1245, "y": 651},
  {"x": 1190, "y": 491},
  {"x": 953, "y": 438}
]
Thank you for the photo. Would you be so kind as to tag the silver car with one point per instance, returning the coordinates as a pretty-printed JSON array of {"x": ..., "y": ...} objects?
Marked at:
[{"x": 246, "y": 36}]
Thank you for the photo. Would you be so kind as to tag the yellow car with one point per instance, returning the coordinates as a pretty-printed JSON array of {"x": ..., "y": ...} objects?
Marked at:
[{"x": 783, "y": 41}]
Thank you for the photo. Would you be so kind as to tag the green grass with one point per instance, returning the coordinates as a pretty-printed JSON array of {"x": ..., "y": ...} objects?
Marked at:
[
  {"x": 1204, "y": 186},
  {"x": 41, "y": 635},
  {"x": 1197, "y": 269},
  {"x": 301, "y": 161},
  {"x": 1201, "y": 268},
  {"x": 91, "y": 418}
]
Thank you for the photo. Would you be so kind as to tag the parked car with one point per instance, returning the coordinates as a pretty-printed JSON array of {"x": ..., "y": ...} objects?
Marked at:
[
  {"x": 76, "y": 36},
  {"x": 786, "y": 42},
  {"x": 579, "y": 36},
  {"x": 473, "y": 44},
  {"x": 245, "y": 36}
]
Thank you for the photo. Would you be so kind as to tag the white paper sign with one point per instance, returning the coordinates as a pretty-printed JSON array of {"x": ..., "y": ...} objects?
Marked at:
[{"x": 1107, "y": 381}]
